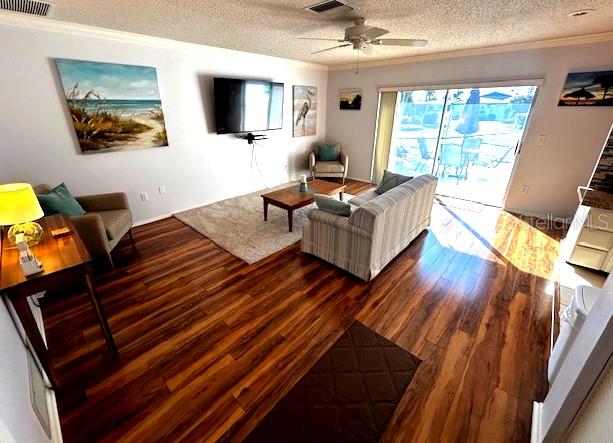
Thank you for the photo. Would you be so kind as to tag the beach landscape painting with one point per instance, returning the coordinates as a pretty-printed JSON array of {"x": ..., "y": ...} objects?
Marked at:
[
  {"x": 305, "y": 111},
  {"x": 113, "y": 106},
  {"x": 588, "y": 89}
]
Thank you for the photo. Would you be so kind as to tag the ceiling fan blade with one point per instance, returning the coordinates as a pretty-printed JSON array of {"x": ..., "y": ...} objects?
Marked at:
[
  {"x": 321, "y": 39},
  {"x": 330, "y": 49},
  {"x": 374, "y": 33},
  {"x": 400, "y": 42}
]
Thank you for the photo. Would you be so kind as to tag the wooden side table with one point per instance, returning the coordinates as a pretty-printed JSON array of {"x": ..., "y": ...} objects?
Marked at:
[{"x": 63, "y": 258}]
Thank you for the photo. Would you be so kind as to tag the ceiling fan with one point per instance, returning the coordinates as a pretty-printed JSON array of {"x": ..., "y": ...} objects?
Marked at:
[{"x": 363, "y": 37}]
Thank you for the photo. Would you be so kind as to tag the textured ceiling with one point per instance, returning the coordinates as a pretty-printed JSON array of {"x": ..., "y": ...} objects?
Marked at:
[{"x": 272, "y": 27}]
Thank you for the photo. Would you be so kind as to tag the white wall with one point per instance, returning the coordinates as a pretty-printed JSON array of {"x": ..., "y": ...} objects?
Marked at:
[
  {"x": 16, "y": 412},
  {"x": 553, "y": 172},
  {"x": 38, "y": 144}
]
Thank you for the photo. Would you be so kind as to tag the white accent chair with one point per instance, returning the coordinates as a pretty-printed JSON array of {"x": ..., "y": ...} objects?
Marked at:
[{"x": 331, "y": 169}]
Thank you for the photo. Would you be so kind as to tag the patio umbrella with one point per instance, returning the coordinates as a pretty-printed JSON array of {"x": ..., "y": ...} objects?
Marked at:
[
  {"x": 496, "y": 95},
  {"x": 579, "y": 94},
  {"x": 469, "y": 120}
]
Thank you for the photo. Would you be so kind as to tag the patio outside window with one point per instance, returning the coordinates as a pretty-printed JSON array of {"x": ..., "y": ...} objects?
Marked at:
[{"x": 467, "y": 137}]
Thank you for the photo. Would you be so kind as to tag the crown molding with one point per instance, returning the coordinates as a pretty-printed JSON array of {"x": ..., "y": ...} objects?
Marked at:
[
  {"x": 48, "y": 24},
  {"x": 76, "y": 29},
  {"x": 541, "y": 44}
]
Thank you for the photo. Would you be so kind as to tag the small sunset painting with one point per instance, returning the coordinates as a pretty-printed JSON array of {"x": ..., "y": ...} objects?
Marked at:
[
  {"x": 113, "y": 106},
  {"x": 351, "y": 99},
  {"x": 588, "y": 89}
]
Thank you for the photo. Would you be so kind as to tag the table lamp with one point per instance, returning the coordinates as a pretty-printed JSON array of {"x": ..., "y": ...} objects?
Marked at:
[{"x": 19, "y": 207}]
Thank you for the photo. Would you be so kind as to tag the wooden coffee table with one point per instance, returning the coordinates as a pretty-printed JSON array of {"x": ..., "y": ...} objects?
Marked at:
[{"x": 291, "y": 198}]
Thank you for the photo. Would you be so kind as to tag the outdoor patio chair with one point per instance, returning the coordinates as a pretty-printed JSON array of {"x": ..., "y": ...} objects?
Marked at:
[
  {"x": 451, "y": 157},
  {"x": 470, "y": 149},
  {"x": 423, "y": 150}
]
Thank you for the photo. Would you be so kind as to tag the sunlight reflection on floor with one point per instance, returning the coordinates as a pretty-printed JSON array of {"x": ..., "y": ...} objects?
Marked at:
[{"x": 494, "y": 235}]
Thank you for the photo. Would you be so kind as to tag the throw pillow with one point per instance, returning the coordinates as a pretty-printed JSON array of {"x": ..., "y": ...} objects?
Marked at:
[
  {"x": 331, "y": 205},
  {"x": 390, "y": 181},
  {"x": 60, "y": 201},
  {"x": 328, "y": 153}
]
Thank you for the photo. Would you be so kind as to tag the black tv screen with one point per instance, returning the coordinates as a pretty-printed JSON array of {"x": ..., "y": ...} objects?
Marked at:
[{"x": 247, "y": 105}]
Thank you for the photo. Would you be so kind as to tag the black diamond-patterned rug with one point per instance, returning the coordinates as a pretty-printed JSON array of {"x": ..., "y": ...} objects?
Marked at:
[{"x": 349, "y": 395}]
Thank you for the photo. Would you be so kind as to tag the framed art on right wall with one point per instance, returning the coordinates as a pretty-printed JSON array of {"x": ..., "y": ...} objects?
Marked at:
[
  {"x": 588, "y": 89},
  {"x": 350, "y": 99}
]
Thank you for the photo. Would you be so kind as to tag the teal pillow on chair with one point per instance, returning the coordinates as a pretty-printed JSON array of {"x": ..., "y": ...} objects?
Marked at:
[
  {"x": 390, "y": 181},
  {"x": 60, "y": 201},
  {"x": 331, "y": 205},
  {"x": 328, "y": 153}
]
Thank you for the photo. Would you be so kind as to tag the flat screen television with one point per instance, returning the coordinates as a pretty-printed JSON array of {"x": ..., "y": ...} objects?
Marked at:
[{"x": 247, "y": 105}]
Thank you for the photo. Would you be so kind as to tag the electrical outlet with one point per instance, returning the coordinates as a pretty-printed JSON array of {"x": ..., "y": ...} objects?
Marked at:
[
  {"x": 144, "y": 196},
  {"x": 525, "y": 189},
  {"x": 541, "y": 140},
  {"x": 161, "y": 189}
]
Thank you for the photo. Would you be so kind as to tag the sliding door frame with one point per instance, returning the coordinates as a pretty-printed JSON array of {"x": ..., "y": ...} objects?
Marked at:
[
  {"x": 520, "y": 145},
  {"x": 464, "y": 85},
  {"x": 536, "y": 82}
]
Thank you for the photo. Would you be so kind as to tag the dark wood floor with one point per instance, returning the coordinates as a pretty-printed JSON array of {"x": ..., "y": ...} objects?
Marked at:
[{"x": 209, "y": 344}]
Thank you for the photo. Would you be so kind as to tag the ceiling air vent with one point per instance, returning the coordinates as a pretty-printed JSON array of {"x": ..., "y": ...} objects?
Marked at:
[
  {"x": 333, "y": 8},
  {"x": 34, "y": 7}
]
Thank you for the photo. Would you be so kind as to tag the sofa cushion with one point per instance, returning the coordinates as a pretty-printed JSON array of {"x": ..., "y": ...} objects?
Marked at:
[
  {"x": 390, "y": 180},
  {"x": 363, "y": 198},
  {"x": 116, "y": 222},
  {"x": 329, "y": 167},
  {"x": 59, "y": 200},
  {"x": 328, "y": 152},
  {"x": 357, "y": 201},
  {"x": 331, "y": 205}
]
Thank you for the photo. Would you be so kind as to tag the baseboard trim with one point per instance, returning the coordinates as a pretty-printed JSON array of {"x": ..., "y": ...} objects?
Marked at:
[
  {"x": 146, "y": 221},
  {"x": 54, "y": 417},
  {"x": 151, "y": 220},
  {"x": 361, "y": 180},
  {"x": 167, "y": 215},
  {"x": 537, "y": 413},
  {"x": 534, "y": 214}
]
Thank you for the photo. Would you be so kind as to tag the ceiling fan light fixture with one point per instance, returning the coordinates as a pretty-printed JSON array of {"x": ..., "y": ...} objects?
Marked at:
[{"x": 362, "y": 38}]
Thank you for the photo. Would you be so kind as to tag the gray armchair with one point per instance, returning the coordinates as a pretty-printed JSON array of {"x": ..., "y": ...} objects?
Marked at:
[
  {"x": 335, "y": 169},
  {"x": 107, "y": 220}
]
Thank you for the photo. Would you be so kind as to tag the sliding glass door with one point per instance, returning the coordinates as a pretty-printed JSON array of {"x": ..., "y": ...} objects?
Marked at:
[
  {"x": 468, "y": 138},
  {"x": 417, "y": 123}
]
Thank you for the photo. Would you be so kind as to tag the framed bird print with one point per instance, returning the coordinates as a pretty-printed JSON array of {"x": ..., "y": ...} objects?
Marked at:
[
  {"x": 588, "y": 89},
  {"x": 305, "y": 111}
]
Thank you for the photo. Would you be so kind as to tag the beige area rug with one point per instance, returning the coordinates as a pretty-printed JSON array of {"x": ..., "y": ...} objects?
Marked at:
[{"x": 237, "y": 225}]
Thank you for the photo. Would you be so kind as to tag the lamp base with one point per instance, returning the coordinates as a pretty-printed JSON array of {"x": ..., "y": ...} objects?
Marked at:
[
  {"x": 32, "y": 266},
  {"x": 32, "y": 233},
  {"x": 29, "y": 264}
]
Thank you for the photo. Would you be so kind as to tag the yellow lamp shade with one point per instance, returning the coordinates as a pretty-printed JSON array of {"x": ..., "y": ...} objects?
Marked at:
[{"x": 18, "y": 204}]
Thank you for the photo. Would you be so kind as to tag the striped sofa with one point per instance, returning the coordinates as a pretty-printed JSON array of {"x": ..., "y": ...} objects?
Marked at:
[{"x": 379, "y": 228}]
